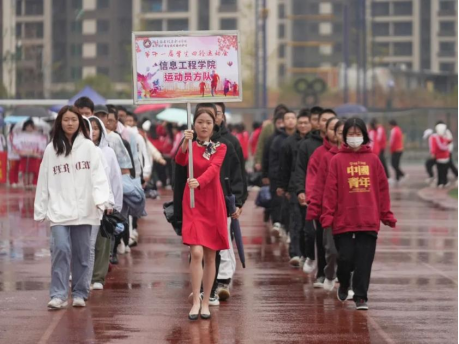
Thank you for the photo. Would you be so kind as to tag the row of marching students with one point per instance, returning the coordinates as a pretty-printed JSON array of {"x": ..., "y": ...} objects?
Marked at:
[
  {"x": 219, "y": 171},
  {"x": 330, "y": 192},
  {"x": 89, "y": 186}
]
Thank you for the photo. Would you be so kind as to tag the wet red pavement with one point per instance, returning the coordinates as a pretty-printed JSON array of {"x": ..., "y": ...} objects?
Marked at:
[{"x": 413, "y": 295}]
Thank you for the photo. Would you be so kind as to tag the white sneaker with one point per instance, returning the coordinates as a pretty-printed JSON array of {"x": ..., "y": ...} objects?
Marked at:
[
  {"x": 98, "y": 286},
  {"x": 14, "y": 186},
  {"x": 429, "y": 180},
  {"x": 276, "y": 230},
  {"x": 309, "y": 266},
  {"x": 295, "y": 262},
  {"x": 132, "y": 242},
  {"x": 319, "y": 282},
  {"x": 213, "y": 299},
  {"x": 350, "y": 294},
  {"x": 78, "y": 302},
  {"x": 57, "y": 303},
  {"x": 121, "y": 248},
  {"x": 329, "y": 284},
  {"x": 127, "y": 249}
]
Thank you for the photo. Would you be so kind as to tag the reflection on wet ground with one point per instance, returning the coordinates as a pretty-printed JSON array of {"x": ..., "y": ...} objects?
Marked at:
[{"x": 413, "y": 296}]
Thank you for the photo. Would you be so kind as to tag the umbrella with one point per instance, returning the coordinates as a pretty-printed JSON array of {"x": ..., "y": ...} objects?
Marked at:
[
  {"x": 173, "y": 115},
  {"x": 39, "y": 124},
  {"x": 90, "y": 93},
  {"x": 235, "y": 226},
  {"x": 350, "y": 109},
  {"x": 15, "y": 119},
  {"x": 30, "y": 111},
  {"x": 151, "y": 107}
]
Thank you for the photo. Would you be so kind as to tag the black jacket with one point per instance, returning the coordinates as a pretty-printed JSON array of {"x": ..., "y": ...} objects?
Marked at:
[
  {"x": 225, "y": 134},
  {"x": 305, "y": 150},
  {"x": 271, "y": 156},
  {"x": 230, "y": 169},
  {"x": 288, "y": 155}
]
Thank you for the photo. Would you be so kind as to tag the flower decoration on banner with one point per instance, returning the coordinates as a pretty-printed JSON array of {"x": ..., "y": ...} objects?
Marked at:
[
  {"x": 230, "y": 63},
  {"x": 137, "y": 48},
  {"x": 227, "y": 42}
]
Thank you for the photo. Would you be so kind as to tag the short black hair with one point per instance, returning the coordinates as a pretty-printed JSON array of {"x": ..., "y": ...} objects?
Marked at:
[
  {"x": 114, "y": 113},
  {"x": 374, "y": 124},
  {"x": 111, "y": 108},
  {"x": 28, "y": 122},
  {"x": 329, "y": 121},
  {"x": 83, "y": 102},
  {"x": 256, "y": 125},
  {"x": 99, "y": 125},
  {"x": 280, "y": 115},
  {"x": 393, "y": 122},
  {"x": 121, "y": 108},
  {"x": 316, "y": 110},
  {"x": 358, "y": 123},
  {"x": 134, "y": 116},
  {"x": 280, "y": 107},
  {"x": 304, "y": 112},
  {"x": 206, "y": 105},
  {"x": 327, "y": 111},
  {"x": 439, "y": 122},
  {"x": 222, "y": 105}
]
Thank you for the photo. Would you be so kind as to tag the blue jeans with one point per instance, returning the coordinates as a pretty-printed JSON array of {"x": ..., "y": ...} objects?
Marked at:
[{"x": 70, "y": 244}]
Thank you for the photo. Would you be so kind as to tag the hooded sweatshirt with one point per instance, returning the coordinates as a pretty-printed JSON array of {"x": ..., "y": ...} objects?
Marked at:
[
  {"x": 114, "y": 171},
  {"x": 439, "y": 144},
  {"x": 313, "y": 167},
  {"x": 288, "y": 156},
  {"x": 357, "y": 194},
  {"x": 396, "y": 140},
  {"x": 72, "y": 190}
]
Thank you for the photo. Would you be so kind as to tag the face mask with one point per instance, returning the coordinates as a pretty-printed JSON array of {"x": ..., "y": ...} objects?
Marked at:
[{"x": 355, "y": 142}]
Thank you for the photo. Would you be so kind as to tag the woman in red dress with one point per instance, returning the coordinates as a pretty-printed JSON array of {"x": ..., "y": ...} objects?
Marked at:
[{"x": 204, "y": 227}]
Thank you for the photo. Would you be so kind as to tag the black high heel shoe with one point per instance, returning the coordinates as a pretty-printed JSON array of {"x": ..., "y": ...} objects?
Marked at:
[
  {"x": 193, "y": 317},
  {"x": 205, "y": 316}
]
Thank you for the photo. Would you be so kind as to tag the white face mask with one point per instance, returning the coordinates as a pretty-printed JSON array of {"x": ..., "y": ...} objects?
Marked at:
[{"x": 354, "y": 142}]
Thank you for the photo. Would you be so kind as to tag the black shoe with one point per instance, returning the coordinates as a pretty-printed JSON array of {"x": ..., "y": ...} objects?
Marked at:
[
  {"x": 361, "y": 305},
  {"x": 342, "y": 293},
  {"x": 193, "y": 317},
  {"x": 205, "y": 316},
  {"x": 114, "y": 260}
]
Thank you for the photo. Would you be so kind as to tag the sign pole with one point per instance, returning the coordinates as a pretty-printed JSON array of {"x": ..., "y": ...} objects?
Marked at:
[{"x": 190, "y": 154}]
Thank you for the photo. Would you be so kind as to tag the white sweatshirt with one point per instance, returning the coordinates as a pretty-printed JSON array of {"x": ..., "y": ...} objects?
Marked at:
[
  {"x": 144, "y": 159},
  {"x": 72, "y": 190}
]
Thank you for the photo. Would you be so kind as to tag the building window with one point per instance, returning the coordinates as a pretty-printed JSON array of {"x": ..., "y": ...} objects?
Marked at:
[
  {"x": 338, "y": 48},
  {"x": 313, "y": 8},
  {"x": 447, "y": 49},
  {"x": 33, "y": 30},
  {"x": 177, "y": 6},
  {"x": 403, "y": 29},
  {"x": 281, "y": 71},
  {"x": 77, "y": 4},
  {"x": 314, "y": 28},
  {"x": 102, "y": 49},
  {"x": 337, "y": 27},
  {"x": 18, "y": 30},
  {"x": 152, "y": 5},
  {"x": 447, "y": 28},
  {"x": 337, "y": 9},
  {"x": 447, "y": 6},
  {"x": 325, "y": 50},
  {"x": 76, "y": 50},
  {"x": 177, "y": 24},
  {"x": 381, "y": 49},
  {"x": 103, "y": 71},
  {"x": 380, "y": 29},
  {"x": 281, "y": 31},
  {"x": 228, "y": 24},
  {"x": 447, "y": 67},
  {"x": 403, "y": 8},
  {"x": 34, "y": 7},
  {"x": 325, "y": 8},
  {"x": 281, "y": 11},
  {"x": 403, "y": 49},
  {"x": 228, "y": 6},
  {"x": 76, "y": 27},
  {"x": 281, "y": 51},
  {"x": 76, "y": 73},
  {"x": 154, "y": 25},
  {"x": 103, "y": 26},
  {"x": 379, "y": 9},
  {"x": 325, "y": 29},
  {"x": 19, "y": 7},
  {"x": 103, "y": 4}
]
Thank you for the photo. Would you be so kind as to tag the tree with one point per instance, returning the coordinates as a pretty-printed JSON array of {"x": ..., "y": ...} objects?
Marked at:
[{"x": 100, "y": 83}]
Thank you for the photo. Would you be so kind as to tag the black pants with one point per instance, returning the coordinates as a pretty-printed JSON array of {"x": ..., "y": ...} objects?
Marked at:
[
  {"x": 321, "y": 262},
  {"x": 451, "y": 165},
  {"x": 356, "y": 252},
  {"x": 442, "y": 169},
  {"x": 276, "y": 205},
  {"x": 430, "y": 163},
  {"x": 296, "y": 224},
  {"x": 382, "y": 157},
  {"x": 396, "y": 165},
  {"x": 309, "y": 234}
]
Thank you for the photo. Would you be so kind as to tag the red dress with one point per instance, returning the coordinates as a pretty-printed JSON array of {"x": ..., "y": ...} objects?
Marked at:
[{"x": 205, "y": 224}]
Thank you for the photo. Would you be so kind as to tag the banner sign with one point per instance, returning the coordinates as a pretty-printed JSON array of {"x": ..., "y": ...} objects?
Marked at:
[
  {"x": 29, "y": 144},
  {"x": 181, "y": 67}
]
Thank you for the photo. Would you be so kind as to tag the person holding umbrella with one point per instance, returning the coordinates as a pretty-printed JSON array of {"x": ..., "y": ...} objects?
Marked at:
[{"x": 204, "y": 227}]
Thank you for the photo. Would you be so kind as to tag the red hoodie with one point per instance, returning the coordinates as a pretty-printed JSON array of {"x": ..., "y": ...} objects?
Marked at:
[
  {"x": 315, "y": 205},
  {"x": 374, "y": 142},
  {"x": 357, "y": 194},
  {"x": 396, "y": 140},
  {"x": 382, "y": 138},
  {"x": 439, "y": 148},
  {"x": 313, "y": 168}
]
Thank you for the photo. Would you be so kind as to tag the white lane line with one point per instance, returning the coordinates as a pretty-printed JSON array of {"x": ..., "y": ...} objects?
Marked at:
[{"x": 49, "y": 331}]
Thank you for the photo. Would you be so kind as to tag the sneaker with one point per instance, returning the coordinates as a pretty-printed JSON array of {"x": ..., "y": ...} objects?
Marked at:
[
  {"x": 329, "y": 284},
  {"x": 295, "y": 262},
  {"x": 430, "y": 180},
  {"x": 342, "y": 294},
  {"x": 361, "y": 305},
  {"x": 213, "y": 299},
  {"x": 14, "y": 186},
  {"x": 132, "y": 242},
  {"x": 319, "y": 282},
  {"x": 309, "y": 266},
  {"x": 276, "y": 230},
  {"x": 121, "y": 248},
  {"x": 78, "y": 302},
  {"x": 57, "y": 303},
  {"x": 223, "y": 291},
  {"x": 114, "y": 260},
  {"x": 98, "y": 286},
  {"x": 127, "y": 249},
  {"x": 350, "y": 294}
]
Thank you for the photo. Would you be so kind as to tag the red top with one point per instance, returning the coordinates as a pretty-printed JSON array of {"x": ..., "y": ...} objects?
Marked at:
[
  {"x": 315, "y": 205},
  {"x": 205, "y": 224},
  {"x": 374, "y": 142},
  {"x": 254, "y": 140},
  {"x": 439, "y": 147},
  {"x": 396, "y": 140},
  {"x": 313, "y": 167},
  {"x": 382, "y": 138},
  {"x": 357, "y": 194},
  {"x": 244, "y": 141}
]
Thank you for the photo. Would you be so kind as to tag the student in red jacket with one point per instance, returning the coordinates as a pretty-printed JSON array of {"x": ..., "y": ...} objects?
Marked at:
[
  {"x": 439, "y": 150},
  {"x": 355, "y": 202},
  {"x": 396, "y": 148},
  {"x": 382, "y": 142}
]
